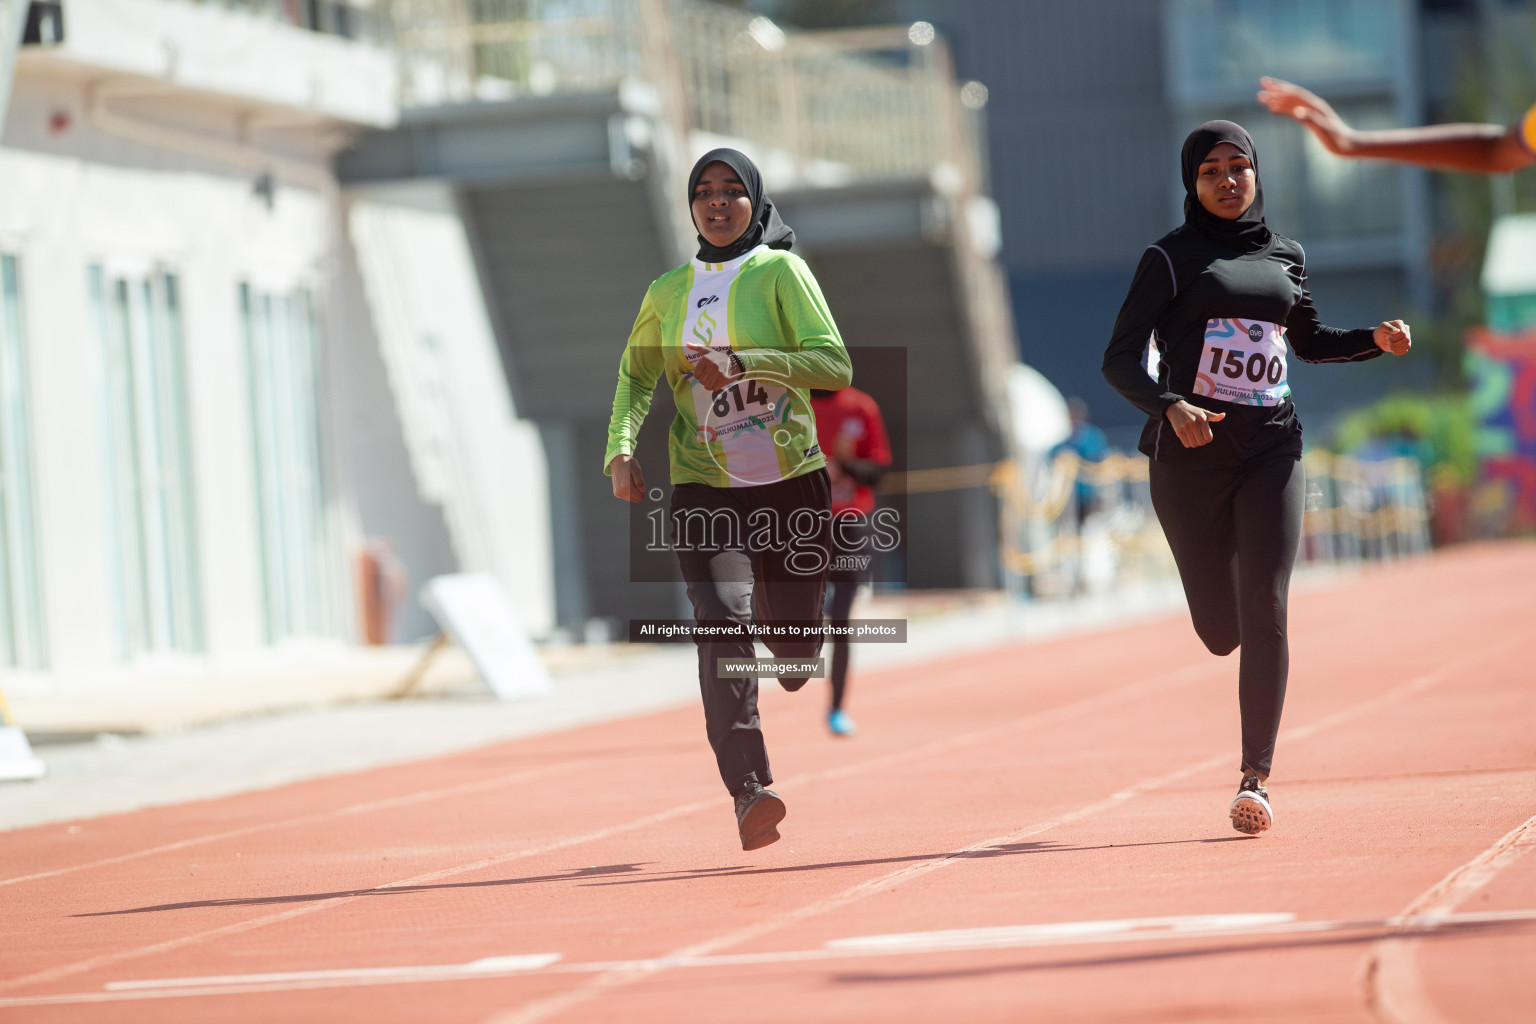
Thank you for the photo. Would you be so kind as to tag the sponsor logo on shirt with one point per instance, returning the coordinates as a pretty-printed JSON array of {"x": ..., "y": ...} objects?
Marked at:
[
  {"x": 704, "y": 329},
  {"x": 813, "y": 451}
]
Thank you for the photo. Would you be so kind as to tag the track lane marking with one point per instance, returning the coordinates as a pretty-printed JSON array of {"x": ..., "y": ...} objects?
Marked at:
[
  {"x": 1394, "y": 987},
  {"x": 1170, "y": 680},
  {"x": 387, "y": 803},
  {"x": 1173, "y": 679},
  {"x": 104, "y": 959},
  {"x": 1033, "y": 936},
  {"x": 543, "y": 1009},
  {"x": 499, "y": 965},
  {"x": 1061, "y": 932}
]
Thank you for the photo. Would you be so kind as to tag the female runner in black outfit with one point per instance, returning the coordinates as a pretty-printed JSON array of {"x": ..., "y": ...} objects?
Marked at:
[{"x": 1225, "y": 301}]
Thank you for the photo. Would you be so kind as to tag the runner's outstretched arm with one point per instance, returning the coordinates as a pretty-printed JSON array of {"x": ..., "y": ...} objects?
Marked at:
[{"x": 1473, "y": 148}]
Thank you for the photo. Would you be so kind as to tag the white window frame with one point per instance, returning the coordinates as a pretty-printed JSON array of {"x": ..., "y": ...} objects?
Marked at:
[
  {"x": 146, "y": 439},
  {"x": 23, "y": 625},
  {"x": 297, "y": 536}
]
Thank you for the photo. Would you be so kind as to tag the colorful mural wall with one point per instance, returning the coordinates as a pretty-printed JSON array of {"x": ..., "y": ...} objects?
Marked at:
[{"x": 1501, "y": 369}]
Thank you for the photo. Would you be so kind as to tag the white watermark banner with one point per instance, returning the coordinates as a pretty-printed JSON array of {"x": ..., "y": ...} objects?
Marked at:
[
  {"x": 859, "y": 631},
  {"x": 811, "y": 668}
]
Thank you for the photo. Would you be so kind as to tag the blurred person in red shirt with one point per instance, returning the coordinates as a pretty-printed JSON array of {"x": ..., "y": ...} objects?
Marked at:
[{"x": 852, "y": 436}]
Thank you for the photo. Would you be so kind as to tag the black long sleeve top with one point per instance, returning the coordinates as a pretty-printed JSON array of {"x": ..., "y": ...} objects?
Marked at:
[{"x": 1187, "y": 295}]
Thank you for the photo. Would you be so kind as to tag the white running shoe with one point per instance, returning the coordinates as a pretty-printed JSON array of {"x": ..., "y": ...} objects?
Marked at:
[{"x": 1250, "y": 808}]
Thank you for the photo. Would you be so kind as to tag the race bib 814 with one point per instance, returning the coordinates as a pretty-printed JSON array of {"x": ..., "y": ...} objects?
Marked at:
[{"x": 1243, "y": 362}]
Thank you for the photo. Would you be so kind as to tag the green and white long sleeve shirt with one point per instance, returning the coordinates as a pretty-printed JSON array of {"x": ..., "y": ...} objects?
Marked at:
[{"x": 766, "y": 309}]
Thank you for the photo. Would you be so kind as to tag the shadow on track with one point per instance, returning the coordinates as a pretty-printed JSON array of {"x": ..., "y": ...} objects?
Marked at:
[
  {"x": 1004, "y": 850},
  {"x": 382, "y": 890},
  {"x": 689, "y": 875}
]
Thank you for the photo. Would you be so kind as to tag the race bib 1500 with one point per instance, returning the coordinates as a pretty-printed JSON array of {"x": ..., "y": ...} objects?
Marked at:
[{"x": 1243, "y": 362}]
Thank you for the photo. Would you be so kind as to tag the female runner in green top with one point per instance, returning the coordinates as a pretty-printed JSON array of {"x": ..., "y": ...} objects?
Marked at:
[{"x": 742, "y": 334}]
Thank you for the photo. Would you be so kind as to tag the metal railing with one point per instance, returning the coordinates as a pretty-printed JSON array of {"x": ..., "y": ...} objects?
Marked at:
[
  {"x": 842, "y": 106},
  {"x": 818, "y": 108},
  {"x": 859, "y": 104},
  {"x": 455, "y": 51},
  {"x": 1363, "y": 510},
  {"x": 1050, "y": 546},
  {"x": 348, "y": 19}
]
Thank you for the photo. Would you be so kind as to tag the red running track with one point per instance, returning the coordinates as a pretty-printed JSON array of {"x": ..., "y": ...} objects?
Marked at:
[{"x": 1031, "y": 833}]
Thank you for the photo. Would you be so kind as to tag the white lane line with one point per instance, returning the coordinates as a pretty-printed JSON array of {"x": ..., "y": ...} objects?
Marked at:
[
  {"x": 1061, "y": 932},
  {"x": 1172, "y": 679},
  {"x": 548, "y": 1006},
  {"x": 1053, "y": 935},
  {"x": 486, "y": 965},
  {"x": 388, "y": 803},
  {"x": 79, "y": 966},
  {"x": 1394, "y": 988}
]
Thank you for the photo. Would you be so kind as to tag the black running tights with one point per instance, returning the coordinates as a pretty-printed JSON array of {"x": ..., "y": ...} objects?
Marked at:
[
  {"x": 839, "y": 606},
  {"x": 1234, "y": 535},
  {"x": 851, "y": 567},
  {"x": 728, "y": 582}
]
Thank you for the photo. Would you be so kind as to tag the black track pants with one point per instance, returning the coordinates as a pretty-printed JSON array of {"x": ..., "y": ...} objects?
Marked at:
[
  {"x": 1234, "y": 535},
  {"x": 730, "y": 582},
  {"x": 851, "y": 568},
  {"x": 839, "y": 605}
]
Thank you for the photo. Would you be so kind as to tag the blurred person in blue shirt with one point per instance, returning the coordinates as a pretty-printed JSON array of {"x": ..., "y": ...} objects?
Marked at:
[{"x": 1090, "y": 445}]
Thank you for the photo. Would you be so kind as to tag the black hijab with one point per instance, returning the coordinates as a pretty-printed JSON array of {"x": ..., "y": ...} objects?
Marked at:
[
  {"x": 1247, "y": 233},
  {"x": 766, "y": 227}
]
